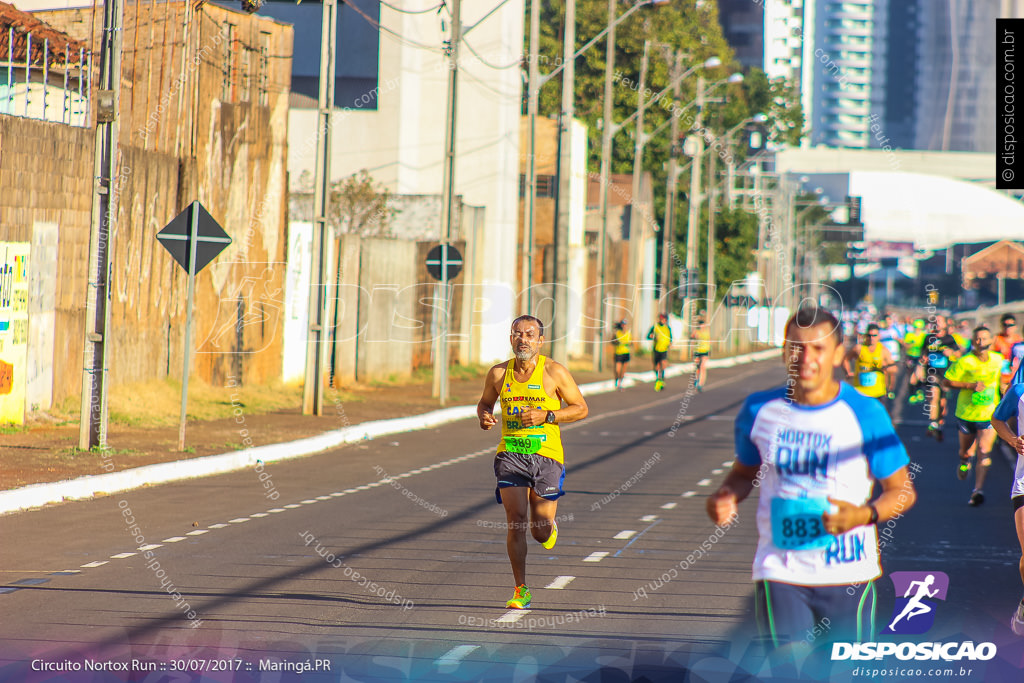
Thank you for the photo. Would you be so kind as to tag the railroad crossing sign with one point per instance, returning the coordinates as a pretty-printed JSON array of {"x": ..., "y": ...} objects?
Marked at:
[
  {"x": 437, "y": 256},
  {"x": 210, "y": 237}
]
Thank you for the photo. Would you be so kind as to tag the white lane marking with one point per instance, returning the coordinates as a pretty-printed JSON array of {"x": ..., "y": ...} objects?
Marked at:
[
  {"x": 689, "y": 494},
  {"x": 218, "y": 525},
  {"x": 648, "y": 518},
  {"x": 337, "y": 493},
  {"x": 276, "y": 510},
  {"x": 151, "y": 546},
  {"x": 121, "y": 556},
  {"x": 595, "y": 557},
  {"x": 345, "y": 491},
  {"x": 560, "y": 582},
  {"x": 704, "y": 482},
  {"x": 292, "y": 506},
  {"x": 452, "y": 658},
  {"x": 623, "y": 535},
  {"x": 238, "y": 520},
  {"x": 259, "y": 514},
  {"x": 94, "y": 564},
  {"x": 512, "y": 616},
  {"x": 174, "y": 539},
  {"x": 198, "y": 532},
  {"x": 727, "y": 463},
  {"x": 668, "y": 506},
  {"x": 717, "y": 471},
  {"x": 308, "y": 501},
  {"x": 71, "y": 571},
  {"x": 323, "y": 497}
]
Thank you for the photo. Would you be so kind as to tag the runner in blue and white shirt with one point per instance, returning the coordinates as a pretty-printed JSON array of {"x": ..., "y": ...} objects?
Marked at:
[
  {"x": 1010, "y": 429},
  {"x": 817, "y": 447}
]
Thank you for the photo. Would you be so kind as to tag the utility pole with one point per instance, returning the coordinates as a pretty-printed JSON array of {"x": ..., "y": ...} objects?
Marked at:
[
  {"x": 448, "y": 199},
  {"x": 711, "y": 230},
  {"x": 92, "y": 431},
  {"x": 694, "y": 214},
  {"x": 532, "y": 105},
  {"x": 637, "y": 226},
  {"x": 313, "y": 389},
  {"x": 668, "y": 232},
  {"x": 560, "y": 318},
  {"x": 607, "y": 132}
]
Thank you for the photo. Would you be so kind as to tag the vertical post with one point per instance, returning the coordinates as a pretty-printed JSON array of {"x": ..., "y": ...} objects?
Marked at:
[
  {"x": 559, "y": 348},
  {"x": 532, "y": 105},
  {"x": 193, "y": 240},
  {"x": 693, "y": 219},
  {"x": 668, "y": 232},
  {"x": 711, "y": 230},
  {"x": 448, "y": 199},
  {"x": 637, "y": 226},
  {"x": 313, "y": 390},
  {"x": 93, "y": 422},
  {"x": 607, "y": 136}
]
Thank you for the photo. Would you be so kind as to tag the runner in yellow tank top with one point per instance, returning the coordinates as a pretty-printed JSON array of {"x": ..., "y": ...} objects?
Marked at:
[
  {"x": 622, "y": 340},
  {"x": 661, "y": 334},
  {"x": 870, "y": 366},
  {"x": 529, "y": 464}
]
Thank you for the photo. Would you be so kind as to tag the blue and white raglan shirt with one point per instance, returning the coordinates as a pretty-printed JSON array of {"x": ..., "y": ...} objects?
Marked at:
[
  {"x": 811, "y": 453},
  {"x": 1010, "y": 407}
]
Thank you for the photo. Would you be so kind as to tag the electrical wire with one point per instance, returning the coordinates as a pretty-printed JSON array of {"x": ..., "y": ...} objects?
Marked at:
[
  {"x": 517, "y": 63},
  {"x": 411, "y": 11},
  {"x": 377, "y": 25}
]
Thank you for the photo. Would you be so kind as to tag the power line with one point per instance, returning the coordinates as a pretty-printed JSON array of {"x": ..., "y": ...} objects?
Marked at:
[
  {"x": 517, "y": 63},
  {"x": 411, "y": 11},
  {"x": 380, "y": 27}
]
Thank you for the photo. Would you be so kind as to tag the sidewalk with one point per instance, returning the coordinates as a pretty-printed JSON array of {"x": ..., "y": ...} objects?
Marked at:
[{"x": 40, "y": 466}]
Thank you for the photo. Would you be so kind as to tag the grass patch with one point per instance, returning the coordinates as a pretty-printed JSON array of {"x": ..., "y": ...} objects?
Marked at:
[
  {"x": 12, "y": 428},
  {"x": 157, "y": 403},
  {"x": 75, "y": 451}
]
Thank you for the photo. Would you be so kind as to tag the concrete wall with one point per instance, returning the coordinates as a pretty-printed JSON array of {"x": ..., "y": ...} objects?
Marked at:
[{"x": 223, "y": 144}]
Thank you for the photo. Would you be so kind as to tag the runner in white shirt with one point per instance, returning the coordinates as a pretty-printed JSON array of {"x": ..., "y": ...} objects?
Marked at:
[
  {"x": 1010, "y": 429},
  {"x": 815, "y": 447}
]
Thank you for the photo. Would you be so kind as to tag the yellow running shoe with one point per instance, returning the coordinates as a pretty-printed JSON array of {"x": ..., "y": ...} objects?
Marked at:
[
  {"x": 520, "y": 599},
  {"x": 550, "y": 543}
]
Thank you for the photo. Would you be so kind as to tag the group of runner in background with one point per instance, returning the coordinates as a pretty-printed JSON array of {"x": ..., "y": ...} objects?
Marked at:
[
  {"x": 660, "y": 336},
  {"x": 942, "y": 362}
]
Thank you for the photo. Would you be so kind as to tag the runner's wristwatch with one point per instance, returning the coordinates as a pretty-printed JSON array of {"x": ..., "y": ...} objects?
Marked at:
[
  {"x": 550, "y": 419},
  {"x": 874, "y": 514}
]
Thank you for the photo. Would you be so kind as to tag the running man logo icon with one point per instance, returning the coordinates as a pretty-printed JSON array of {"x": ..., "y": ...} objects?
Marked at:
[{"x": 916, "y": 592}]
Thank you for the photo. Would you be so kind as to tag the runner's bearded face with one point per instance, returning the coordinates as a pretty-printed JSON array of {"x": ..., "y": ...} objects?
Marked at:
[
  {"x": 811, "y": 355},
  {"x": 526, "y": 340},
  {"x": 982, "y": 341}
]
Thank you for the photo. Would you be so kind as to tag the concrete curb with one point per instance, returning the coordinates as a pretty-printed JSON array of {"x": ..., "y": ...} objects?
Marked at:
[{"x": 37, "y": 495}]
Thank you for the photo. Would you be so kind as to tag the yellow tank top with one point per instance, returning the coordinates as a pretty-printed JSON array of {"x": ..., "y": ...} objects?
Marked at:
[
  {"x": 515, "y": 397},
  {"x": 662, "y": 337},
  {"x": 622, "y": 341},
  {"x": 868, "y": 377},
  {"x": 703, "y": 339}
]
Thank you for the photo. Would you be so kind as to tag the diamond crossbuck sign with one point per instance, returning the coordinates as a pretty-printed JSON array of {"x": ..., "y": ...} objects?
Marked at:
[{"x": 210, "y": 237}]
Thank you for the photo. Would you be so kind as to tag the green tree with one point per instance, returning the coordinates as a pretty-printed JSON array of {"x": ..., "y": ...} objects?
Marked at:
[{"x": 359, "y": 205}]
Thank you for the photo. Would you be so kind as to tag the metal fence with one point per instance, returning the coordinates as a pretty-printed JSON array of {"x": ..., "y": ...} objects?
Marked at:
[{"x": 43, "y": 78}]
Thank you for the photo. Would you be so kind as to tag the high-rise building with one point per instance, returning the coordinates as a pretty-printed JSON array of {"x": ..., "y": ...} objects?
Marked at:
[{"x": 743, "y": 27}]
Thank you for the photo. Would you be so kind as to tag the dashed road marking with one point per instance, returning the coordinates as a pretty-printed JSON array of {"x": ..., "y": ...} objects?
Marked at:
[
  {"x": 259, "y": 514},
  {"x": 198, "y": 532},
  {"x": 94, "y": 564},
  {"x": 727, "y": 463},
  {"x": 451, "y": 659},
  {"x": 689, "y": 494},
  {"x": 173, "y": 539},
  {"x": 704, "y": 482},
  {"x": 121, "y": 556},
  {"x": 512, "y": 616},
  {"x": 717, "y": 471},
  {"x": 292, "y": 506},
  {"x": 595, "y": 557},
  {"x": 276, "y": 510},
  {"x": 238, "y": 520},
  {"x": 648, "y": 518},
  {"x": 560, "y": 582},
  {"x": 151, "y": 546},
  {"x": 323, "y": 497},
  {"x": 308, "y": 501},
  {"x": 624, "y": 535},
  {"x": 217, "y": 526},
  {"x": 668, "y": 506}
]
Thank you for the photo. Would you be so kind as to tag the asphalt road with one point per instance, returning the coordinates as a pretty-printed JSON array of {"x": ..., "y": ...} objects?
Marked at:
[{"x": 326, "y": 563}]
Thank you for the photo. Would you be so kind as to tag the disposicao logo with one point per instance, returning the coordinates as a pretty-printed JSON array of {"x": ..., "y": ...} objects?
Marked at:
[{"x": 916, "y": 596}]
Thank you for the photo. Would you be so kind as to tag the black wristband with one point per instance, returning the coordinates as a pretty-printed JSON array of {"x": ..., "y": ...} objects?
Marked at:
[{"x": 874, "y": 513}]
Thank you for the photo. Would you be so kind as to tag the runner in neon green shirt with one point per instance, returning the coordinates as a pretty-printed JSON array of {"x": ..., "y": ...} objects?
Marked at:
[{"x": 976, "y": 375}]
